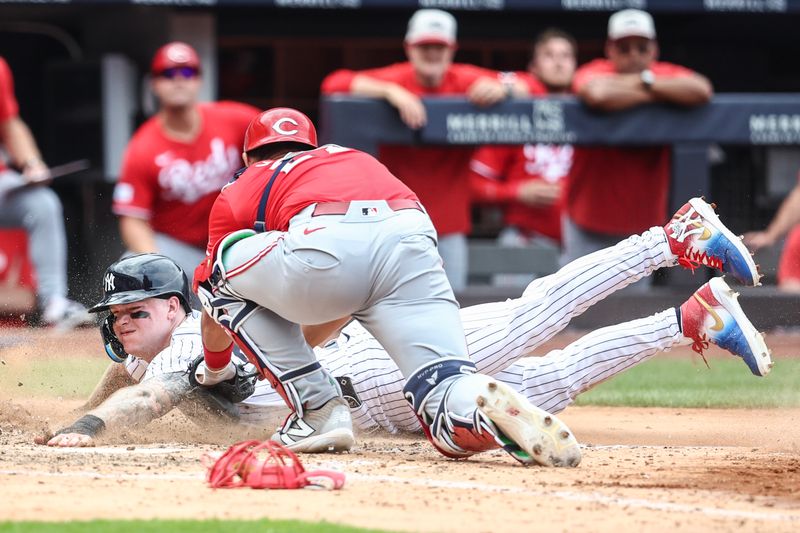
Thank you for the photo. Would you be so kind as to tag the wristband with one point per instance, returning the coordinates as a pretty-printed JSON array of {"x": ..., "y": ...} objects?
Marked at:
[
  {"x": 86, "y": 425},
  {"x": 217, "y": 360}
]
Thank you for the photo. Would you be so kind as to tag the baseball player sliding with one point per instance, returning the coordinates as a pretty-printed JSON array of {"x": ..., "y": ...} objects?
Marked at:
[
  {"x": 307, "y": 235},
  {"x": 498, "y": 336}
]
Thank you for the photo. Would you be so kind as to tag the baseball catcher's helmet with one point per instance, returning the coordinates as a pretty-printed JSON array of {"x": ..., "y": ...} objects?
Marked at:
[
  {"x": 143, "y": 276},
  {"x": 174, "y": 54},
  {"x": 277, "y": 125}
]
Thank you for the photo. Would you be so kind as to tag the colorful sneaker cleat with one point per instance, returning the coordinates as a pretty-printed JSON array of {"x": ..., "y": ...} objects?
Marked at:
[
  {"x": 698, "y": 237},
  {"x": 712, "y": 315},
  {"x": 528, "y": 433}
]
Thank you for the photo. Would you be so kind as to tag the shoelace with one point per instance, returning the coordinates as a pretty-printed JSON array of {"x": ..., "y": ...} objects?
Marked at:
[
  {"x": 692, "y": 258},
  {"x": 699, "y": 345}
]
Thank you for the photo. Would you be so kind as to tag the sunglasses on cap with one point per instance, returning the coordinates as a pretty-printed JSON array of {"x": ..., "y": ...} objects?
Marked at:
[{"x": 183, "y": 72}]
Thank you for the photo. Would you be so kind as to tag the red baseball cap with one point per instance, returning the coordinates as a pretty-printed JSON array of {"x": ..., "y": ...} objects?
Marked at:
[{"x": 174, "y": 54}]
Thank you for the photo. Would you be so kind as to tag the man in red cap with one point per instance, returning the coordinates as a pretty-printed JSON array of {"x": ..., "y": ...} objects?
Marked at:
[
  {"x": 310, "y": 236},
  {"x": 439, "y": 175},
  {"x": 177, "y": 162}
]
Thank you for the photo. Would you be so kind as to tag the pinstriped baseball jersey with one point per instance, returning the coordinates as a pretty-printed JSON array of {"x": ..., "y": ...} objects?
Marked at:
[
  {"x": 499, "y": 335},
  {"x": 185, "y": 345}
]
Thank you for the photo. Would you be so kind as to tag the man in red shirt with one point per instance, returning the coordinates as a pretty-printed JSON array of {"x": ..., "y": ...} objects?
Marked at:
[
  {"x": 177, "y": 162},
  {"x": 613, "y": 192},
  {"x": 26, "y": 201},
  {"x": 439, "y": 175},
  {"x": 527, "y": 179},
  {"x": 312, "y": 236}
]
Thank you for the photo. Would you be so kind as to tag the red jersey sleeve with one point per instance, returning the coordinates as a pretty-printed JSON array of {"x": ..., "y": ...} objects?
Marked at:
[
  {"x": 488, "y": 169},
  {"x": 221, "y": 221},
  {"x": 338, "y": 81},
  {"x": 670, "y": 70},
  {"x": 8, "y": 102},
  {"x": 535, "y": 87},
  {"x": 239, "y": 112},
  {"x": 134, "y": 195}
]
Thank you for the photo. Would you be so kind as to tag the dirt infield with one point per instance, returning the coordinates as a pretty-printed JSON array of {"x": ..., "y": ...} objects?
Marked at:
[{"x": 656, "y": 469}]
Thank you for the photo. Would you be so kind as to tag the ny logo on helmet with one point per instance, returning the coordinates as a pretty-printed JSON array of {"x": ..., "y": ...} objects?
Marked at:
[
  {"x": 278, "y": 126},
  {"x": 108, "y": 282}
]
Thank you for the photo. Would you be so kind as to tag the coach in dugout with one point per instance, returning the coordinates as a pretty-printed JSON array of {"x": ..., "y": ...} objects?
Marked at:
[
  {"x": 612, "y": 192},
  {"x": 439, "y": 176},
  {"x": 177, "y": 162}
]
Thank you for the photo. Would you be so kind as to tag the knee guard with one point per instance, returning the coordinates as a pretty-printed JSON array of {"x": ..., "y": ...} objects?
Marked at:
[{"x": 458, "y": 429}]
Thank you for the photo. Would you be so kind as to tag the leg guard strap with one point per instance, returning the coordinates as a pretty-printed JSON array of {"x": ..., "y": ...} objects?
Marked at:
[{"x": 425, "y": 379}]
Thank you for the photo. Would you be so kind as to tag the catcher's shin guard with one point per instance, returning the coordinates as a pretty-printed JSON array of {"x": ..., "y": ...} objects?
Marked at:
[
  {"x": 231, "y": 311},
  {"x": 458, "y": 429}
]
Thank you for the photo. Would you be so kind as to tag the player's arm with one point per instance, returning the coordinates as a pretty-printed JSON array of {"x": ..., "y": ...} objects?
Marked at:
[
  {"x": 22, "y": 149},
  {"x": 412, "y": 111},
  {"x": 493, "y": 87},
  {"x": 319, "y": 334},
  {"x": 690, "y": 90},
  {"x": 615, "y": 92},
  {"x": 786, "y": 218},
  {"x": 115, "y": 378},
  {"x": 137, "y": 234},
  {"x": 128, "y": 407}
]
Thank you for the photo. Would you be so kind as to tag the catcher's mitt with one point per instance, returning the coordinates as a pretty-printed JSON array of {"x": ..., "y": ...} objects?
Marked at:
[
  {"x": 265, "y": 465},
  {"x": 237, "y": 389}
]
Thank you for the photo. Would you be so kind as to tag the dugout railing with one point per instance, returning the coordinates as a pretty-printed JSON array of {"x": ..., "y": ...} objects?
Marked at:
[{"x": 730, "y": 119}]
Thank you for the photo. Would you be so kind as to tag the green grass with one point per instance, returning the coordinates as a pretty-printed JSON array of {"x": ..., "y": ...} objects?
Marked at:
[
  {"x": 672, "y": 382},
  {"x": 53, "y": 376},
  {"x": 184, "y": 526},
  {"x": 660, "y": 382}
]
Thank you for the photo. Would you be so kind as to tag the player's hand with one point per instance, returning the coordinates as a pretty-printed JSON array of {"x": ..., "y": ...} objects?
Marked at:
[
  {"x": 67, "y": 440},
  {"x": 204, "y": 376},
  {"x": 538, "y": 193},
  {"x": 412, "y": 110},
  {"x": 755, "y": 240},
  {"x": 485, "y": 92},
  {"x": 36, "y": 172}
]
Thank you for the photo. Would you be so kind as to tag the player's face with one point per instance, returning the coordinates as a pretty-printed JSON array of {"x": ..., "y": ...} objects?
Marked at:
[
  {"x": 632, "y": 55},
  {"x": 144, "y": 328},
  {"x": 177, "y": 87},
  {"x": 554, "y": 64},
  {"x": 430, "y": 61}
]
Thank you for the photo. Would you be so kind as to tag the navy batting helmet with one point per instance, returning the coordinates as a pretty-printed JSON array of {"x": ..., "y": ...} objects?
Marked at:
[{"x": 143, "y": 276}]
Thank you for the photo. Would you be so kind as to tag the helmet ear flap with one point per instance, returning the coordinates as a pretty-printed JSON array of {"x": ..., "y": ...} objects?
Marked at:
[{"x": 114, "y": 349}]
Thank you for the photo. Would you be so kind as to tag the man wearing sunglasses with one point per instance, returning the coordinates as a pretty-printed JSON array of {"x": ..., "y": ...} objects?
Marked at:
[
  {"x": 612, "y": 192},
  {"x": 177, "y": 161}
]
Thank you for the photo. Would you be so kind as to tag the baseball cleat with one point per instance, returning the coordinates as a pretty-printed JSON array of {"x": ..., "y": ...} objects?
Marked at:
[
  {"x": 64, "y": 314},
  {"x": 698, "y": 237},
  {"x": 327, "y": 429},
  {"x": 713, "y": 315},
  {"x": 529, "y": 434}
]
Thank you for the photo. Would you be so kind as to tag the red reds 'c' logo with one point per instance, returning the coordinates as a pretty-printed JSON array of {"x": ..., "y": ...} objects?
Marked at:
[
  {"x": 179, "y": 53},
  {"x": 278, "y": 126}
]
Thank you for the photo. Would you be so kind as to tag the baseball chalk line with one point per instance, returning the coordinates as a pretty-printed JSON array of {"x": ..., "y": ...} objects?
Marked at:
[{"x": 590, "y": 497}]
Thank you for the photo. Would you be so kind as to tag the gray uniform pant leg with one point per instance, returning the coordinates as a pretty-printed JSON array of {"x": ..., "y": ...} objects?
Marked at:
[
  {"x": 378, "y": 265},
  {"x": 185, "y": 255},
  {"x": 38, "y": 210},
  {"x": 455, "y": 255}
]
